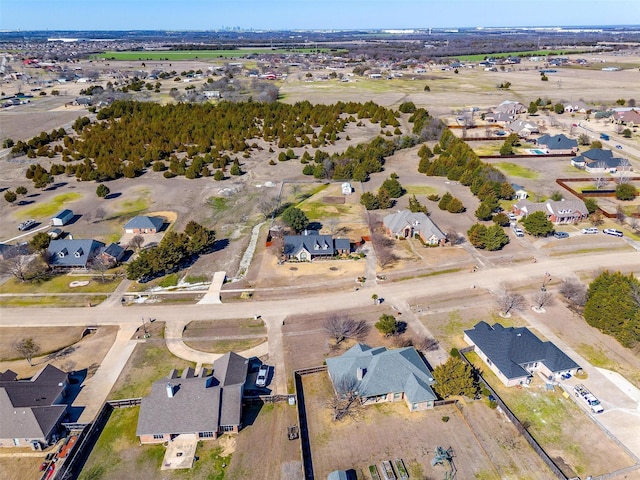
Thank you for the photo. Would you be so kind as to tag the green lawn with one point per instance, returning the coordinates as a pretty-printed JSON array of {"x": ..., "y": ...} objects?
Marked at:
[
  {"x": 60, "y": 284},
  {"x": 318, "y": 210},
  {"x": 54, "y": 301},
  {"x": 420, "y": 190},
  {"x": 514, "y": 170},
  {"x": 526, "y": 53},
  {"x": 200, "y": 54},
  {"x": 50, "y": 208},
  {"x": 132, "y": 207}
]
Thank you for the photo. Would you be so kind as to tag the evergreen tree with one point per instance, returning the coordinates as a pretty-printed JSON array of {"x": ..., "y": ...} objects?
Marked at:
[{"x": 455, "y": 377}]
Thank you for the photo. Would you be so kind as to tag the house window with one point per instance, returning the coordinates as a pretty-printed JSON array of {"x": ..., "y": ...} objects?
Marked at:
[
  {"x": 303, "y": 256},
  {"x": 397, "y": 396},
  {"x": 415, "y": 406},
  {"x": 206, "y": 435},
  {"x": 158, "y": 436}
]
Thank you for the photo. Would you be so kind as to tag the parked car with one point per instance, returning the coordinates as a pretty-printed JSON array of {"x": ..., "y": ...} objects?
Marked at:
[
  {"x": 613, "y": 231},
  {"x": 518, "y": 231},
  {"x": 589, "y": 230},
  {"x": 619, "y": 147},
  {"x": 561, "y": 235},
  {"x": 27, "y": 224},
  {"x": 512, "y": 217},
  {"x": 263, "y": 373}
]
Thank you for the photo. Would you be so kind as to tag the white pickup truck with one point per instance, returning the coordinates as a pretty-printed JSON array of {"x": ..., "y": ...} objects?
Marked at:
[{"x": 589, "y": 398}]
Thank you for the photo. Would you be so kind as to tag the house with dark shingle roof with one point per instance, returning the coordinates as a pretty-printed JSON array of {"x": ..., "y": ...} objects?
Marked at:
[
  {"x": 598, "y": 160},
  {"x": 76, "y": 253},
  {"x": 207, "y": 405},
  {"x": 144, "y": 224},
  {"x": 31, "y": 410},
  {"x": 311, "y": 245},
  {"x": 558, "y": 144},
  {"x": 558, "y": 212},
  {"x": 381, "y": 375},
  {"x": 111, "y": 254},
  {"x": 406, "y": 224},
  {"x": 515, "y": 354}
]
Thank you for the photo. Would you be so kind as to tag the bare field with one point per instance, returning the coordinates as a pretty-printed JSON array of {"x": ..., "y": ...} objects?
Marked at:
[{"x": 496, "y": 451}]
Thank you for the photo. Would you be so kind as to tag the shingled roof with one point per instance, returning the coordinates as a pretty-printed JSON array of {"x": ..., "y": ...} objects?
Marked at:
[
  {"x": 385, "y": 371},
  {"x": 510, "y": 348},
  {"x": 557, "y": 142},
  {"x": 142, "y": 222},
  {"x": 397, "y": 222}
]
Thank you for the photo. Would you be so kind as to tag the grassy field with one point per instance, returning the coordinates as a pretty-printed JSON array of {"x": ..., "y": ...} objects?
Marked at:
[
  {"x": 133, "y": 206},
  {"x": 514, "y": 170},
  {"x": 420, "y": 190},
  {"x": 50, "y": 339},
  {"x": 60, "y": 284},
  {"x": 49, "y": 208},
  {"x": 525, "y": 53},
  {"x": 118, "y": 454},
  {"x": 199, "y": 54},
  {"x": 54, "y": 301}
]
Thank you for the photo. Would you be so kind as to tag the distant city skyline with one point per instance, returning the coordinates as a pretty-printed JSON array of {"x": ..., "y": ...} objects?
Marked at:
[{"x": 309, "y": 14}]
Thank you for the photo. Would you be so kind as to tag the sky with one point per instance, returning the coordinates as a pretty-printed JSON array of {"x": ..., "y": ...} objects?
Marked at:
[{"x": 309, "y": 14}]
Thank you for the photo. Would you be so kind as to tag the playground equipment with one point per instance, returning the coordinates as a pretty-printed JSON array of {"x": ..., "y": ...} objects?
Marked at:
[{"x": 443, "y": 456}]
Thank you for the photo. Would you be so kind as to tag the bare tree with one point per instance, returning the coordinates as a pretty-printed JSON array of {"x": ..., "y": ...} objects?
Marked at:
[
  {"x": 332, "y": 224},
  {"x": 136, "y": 242},
  {"x": 541, "y": 299},
  {"x": 454, "y": 238},
  {"x": 624, "y": 172},
  {"x": 383, "y": 246},
  {"x": 621, "y": 217},
  {"x": 345, "y": 402},
  {"x": 574, "y": 291},
  {"x": 17, "y": 266},
  {"x": 508, "y": 301},
  {"x": 99, "y": 267},
  {"x": 425, "y": 343},
  {"x": 267, "y": 205},
  {"x": 99, "y": 213},
  {"x": 341, "y": 327},
  {"x": 600, "y": 176},
  {"x": 27, "y": 348}
]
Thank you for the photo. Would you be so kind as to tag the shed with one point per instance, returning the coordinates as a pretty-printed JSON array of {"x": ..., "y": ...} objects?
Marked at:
[
  {"x": 62, "y": 218},
  {"x": 347, "y": 189}
]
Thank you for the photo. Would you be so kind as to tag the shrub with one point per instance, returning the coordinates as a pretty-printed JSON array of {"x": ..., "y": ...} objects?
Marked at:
[{"x": 445, "y": 419}]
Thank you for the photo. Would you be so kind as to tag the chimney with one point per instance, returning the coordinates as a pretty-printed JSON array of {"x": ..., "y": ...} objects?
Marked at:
[
  {"x": 361, "y": 372},
  {"x": 169, "y": 390}
]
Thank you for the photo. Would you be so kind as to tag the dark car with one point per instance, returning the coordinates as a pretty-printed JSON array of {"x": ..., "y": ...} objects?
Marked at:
[{"x": 561, "y": 235}]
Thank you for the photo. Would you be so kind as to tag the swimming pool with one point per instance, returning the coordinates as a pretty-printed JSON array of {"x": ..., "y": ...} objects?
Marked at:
[{"x": 538, "y": 152}]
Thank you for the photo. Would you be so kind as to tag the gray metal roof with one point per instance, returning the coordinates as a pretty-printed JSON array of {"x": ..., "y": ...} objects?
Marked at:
[
  {"x": 143, "y": 222},
  {"x": 113, "y": 250},
  {"x": 420, "y": 222},
  {"x": 557, "y": 142},
  {"x": 73, "y": 253},
  {"x": 509, "y": 348},
  {"x": 385, "y": 371},
  {"x": 64, "y": 214}
]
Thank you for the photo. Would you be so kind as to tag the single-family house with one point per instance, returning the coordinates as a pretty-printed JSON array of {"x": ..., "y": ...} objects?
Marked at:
[
  {"x": 558, "y": 212},
  {"x": 558, "y": 144},
  {"x": 523, "y": 128},
  {"x": 598, "y": 160},
  {"x": 515, "y": 354},
  {"x": 519, "y": 192},
  {"x": 207, "y": 405},
  {"x": 311, "y": 245},
  {"x": 579, "y": 107},
  {"x": 346, "y": 188},
  {"x": 62, "y": 218},
  {"x": 406, "y": 224},
  {"x": 511, "y": 107},
  {"x": 499, "y": 117},
  {"x": 627, "y": 117},
  {"x": 73, "y": 253},
  {"x": 111, "y": 254},
  {"x": 144, "y": 224},
  {"x": 31, "y": 410},
  {"x": 381, "y": 375}
]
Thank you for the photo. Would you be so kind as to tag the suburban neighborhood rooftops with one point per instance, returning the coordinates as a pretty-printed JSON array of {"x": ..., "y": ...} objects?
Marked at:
[
  {"x": 511, "y": 348},
  {"x": 384, "y": 371}
]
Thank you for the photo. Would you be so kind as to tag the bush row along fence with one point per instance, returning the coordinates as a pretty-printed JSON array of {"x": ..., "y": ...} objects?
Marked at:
[{"x": 523, "y": 431}]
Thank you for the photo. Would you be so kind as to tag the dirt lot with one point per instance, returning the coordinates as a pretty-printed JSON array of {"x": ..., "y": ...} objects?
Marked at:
[
  {"x": 221, "y": 336},
  {"x": 485, "y": 444},
  {"x": 68, "y": 349}
]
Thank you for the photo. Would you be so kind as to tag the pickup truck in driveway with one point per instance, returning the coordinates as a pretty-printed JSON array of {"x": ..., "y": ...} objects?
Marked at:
[{"x": 589, "y": 398}]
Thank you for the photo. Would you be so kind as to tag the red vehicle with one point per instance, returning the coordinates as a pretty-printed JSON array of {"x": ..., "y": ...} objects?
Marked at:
[{"x": 50, "y": 471}]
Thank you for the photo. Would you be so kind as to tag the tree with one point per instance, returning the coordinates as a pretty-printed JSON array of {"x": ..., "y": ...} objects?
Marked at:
[
  {"x": 533, "y": 108},
  {"x": 16, "y": 265},
  {"x": 583, "y": 139},
  {"x": 444, "y": 201},
  {"x": 495, "y": 238},
  {"x": 392, "y": 185},
  {"x": 574, "y": 291},
  {"x": 558, "y": 108},
  {"x": 506, "y": 148},
  {"x": 416, "y": 206},
  {"x": 384, "y": 198},
  {"x": 455, "y": 206},
  {"x": 99, "y": 267},
  {"x": 267, "y": 205},
  {"x": 102, "y": 191},
  {"x": 595, "y": 144},
  {"x": 484, "y": 211},
  {"x": 542, "y": 298},
  {"x": 591, "y": 204},
  {"x": 501, "y": 219},
  {"x": 10, "y": 196},
  {"x": 477, "y": 234},
  {"x": 28, "y": 349},
  {"x": 295, "y": 219},
  {"x": 136, "y": 242},
  {"x": 235, "y": 170},
  {"x": 537, "y": 224},
  {"x": 8, "y": 143},
  {"x": 341, "y": 327},
  {"x": 626, "y": 133},
  {"x": 387, "y": 325},
  {"x": 374, "y": 297},
  {"x": 40, "y": 241},
  {"x": 626, "y": 192},
  {"x": 455, "y": 377},
  {"x": 345, "y": 402},
  {"x": 21, "y": 190},
  {"x": 370, "y": 201},
  {"x": 510, "y": 301},
  {"x": 556, "y": 196}
]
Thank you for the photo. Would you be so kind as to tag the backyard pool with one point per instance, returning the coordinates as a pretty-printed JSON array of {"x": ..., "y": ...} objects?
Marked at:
[{"x": 537, "y": 152}]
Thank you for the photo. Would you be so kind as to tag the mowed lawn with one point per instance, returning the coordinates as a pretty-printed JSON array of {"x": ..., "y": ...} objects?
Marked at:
[
  {"x": 514, "y": 170},
  {"x": 50, "y": 208}
]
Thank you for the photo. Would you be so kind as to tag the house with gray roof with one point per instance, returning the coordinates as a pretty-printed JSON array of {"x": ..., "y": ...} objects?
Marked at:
[
  {"x": 311, "y": 245},
  {"x": 73, "y": 253},
  {"x": 207, "y": 405},
  {"x": 381, "y": 375},
  {"x": 558, "y": 212},
  {"x": 144, "y": 224},
  {"x": 558, "y": 144},
  {"x": 111, "y": 254},
  {"x": 598, "y": 160},
  {"x": 516, "y": 354},
  {"x": 406, "y": 224},
  {"x": 31, "y": 410},
  {"x": 523, "y": 128}
]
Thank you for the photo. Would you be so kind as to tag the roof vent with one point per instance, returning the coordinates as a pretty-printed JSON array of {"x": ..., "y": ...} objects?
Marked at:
[
  {"x": 360, "y": 373},
  {"x": 170, "y": 390}
]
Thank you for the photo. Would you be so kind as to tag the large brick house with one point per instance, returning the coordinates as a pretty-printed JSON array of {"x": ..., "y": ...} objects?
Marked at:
[
  {"x": 406, "y": 224},
  {"x": 558, "y": 212}
]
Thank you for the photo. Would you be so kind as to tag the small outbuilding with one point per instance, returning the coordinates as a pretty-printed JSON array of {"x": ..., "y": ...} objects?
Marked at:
[
  {"x": 347, "y": 189},
  {"x": 62, "y": 218}
]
